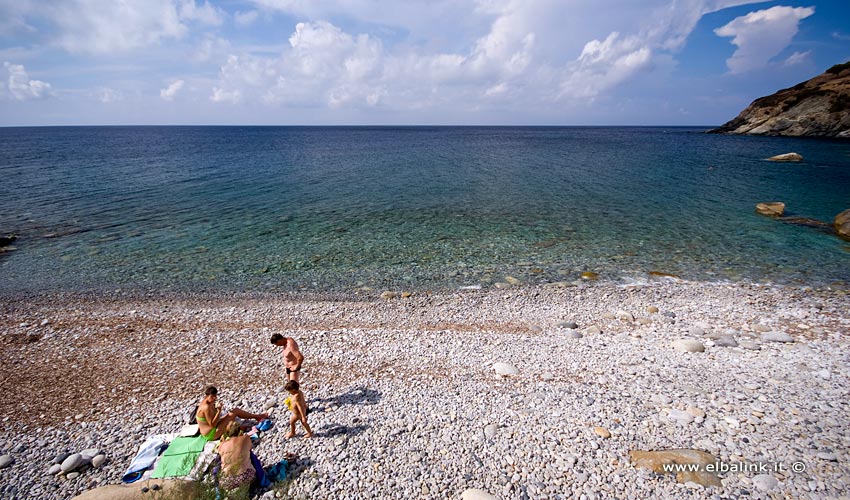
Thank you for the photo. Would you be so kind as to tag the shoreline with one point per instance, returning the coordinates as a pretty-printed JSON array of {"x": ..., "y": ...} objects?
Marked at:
[{"x": 376, "y": 369}]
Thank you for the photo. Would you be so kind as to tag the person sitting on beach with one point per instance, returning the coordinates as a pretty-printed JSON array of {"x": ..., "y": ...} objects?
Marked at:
[
  {"x": 292, "y": 357},
  {"x": 211, "y": 422},
  {"x": 237, "y": 471},
  {"x": 298, "y": 405}
]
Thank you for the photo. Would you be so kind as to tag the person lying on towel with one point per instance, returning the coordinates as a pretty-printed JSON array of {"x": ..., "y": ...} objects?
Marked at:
[{"x": 211, "y": 422}]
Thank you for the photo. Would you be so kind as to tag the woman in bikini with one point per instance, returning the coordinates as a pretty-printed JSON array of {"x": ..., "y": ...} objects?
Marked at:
[
  {"x": 211, "y": 422},
  {"x": 237, "y": 471}
]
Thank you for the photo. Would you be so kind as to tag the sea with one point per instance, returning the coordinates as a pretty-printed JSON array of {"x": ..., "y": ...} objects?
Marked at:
[{"x": 335, "y": 209}]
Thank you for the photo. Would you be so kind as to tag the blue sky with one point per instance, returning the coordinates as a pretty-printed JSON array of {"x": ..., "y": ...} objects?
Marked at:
[{"x": 489, "y": 62}]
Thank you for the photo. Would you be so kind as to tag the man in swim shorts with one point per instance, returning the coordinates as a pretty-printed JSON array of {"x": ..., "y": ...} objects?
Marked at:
[{"x": 292, "y": 357}]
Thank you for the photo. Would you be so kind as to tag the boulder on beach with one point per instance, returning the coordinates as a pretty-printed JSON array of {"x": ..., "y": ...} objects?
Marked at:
[
  {"x": 660, "y": 462},
  {"x": 505, "y": 369},
  {"x": 72, "y": 462},
  {"x": 841, "y": 224},
  {"x": 787, "y": 157},
  {"x": 172, "y": 489},
  {"x": 476, "y": 494},
  {"x": 771, "y": 208},
  {"x": 688, "y": 345}
]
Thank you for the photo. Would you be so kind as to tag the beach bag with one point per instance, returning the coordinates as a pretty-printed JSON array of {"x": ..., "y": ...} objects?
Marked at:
[{"x": 191, "y": 418}]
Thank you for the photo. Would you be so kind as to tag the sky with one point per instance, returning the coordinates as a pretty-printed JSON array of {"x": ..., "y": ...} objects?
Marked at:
[{"x": 414, "y": 62}]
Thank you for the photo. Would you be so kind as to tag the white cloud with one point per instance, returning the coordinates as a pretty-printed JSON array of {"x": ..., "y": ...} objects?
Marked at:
[
  {"x": 210, "y": 48},
  {"x": 222, "y": 95},
  {"x": 605, "y": 64},
  {"x": 840, "y": 36},
  {"x": 104, "y": 27},
  {"x": 530, "y": 54},
  {"x": 171, "y": 91},
  {"x": 107, "y": 95},
  {"x": 761, "y": 35},
  {"x": 797, "y": 58},
  {"x": 244, "y": 19},
  {"x": 323, "y": 66},
  {"x": 204, "y": 14},
  {"x": 21, "y": 87}
]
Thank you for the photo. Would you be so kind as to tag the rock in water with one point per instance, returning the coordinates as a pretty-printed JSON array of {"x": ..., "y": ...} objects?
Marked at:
[
  {"x": 771, "y": 208},
  {"x": 841, "y": 224},
  {"x": 476, "y": 494},
  {"x": 787, "y": 157},
  {"x": 657, "y": 460},
  {"x": 505, "y": 369},
  {"x": 688, "y": 345}
]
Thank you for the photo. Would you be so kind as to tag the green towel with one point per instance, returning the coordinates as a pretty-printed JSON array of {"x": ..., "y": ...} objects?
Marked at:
[{"x": 179, "y": 457}]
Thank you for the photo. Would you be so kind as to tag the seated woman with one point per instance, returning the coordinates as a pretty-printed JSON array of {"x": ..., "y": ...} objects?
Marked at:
[
  {"x": 211, "y": 422},
  {"x": 237, "y": 472}
]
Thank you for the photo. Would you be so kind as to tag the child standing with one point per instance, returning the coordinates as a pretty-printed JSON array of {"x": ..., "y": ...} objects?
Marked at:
[{"x": 298, "y": 405}]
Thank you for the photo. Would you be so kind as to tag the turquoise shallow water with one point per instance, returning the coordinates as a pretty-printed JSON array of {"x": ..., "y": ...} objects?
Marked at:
[{"x": 282, "y": 208}]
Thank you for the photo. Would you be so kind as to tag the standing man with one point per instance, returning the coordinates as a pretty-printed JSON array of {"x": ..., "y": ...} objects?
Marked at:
[{"x": 292, "y": 357}]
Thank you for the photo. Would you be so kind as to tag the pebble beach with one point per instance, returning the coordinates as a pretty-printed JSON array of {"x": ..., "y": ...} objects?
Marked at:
[{"x": 513, "y": 392}]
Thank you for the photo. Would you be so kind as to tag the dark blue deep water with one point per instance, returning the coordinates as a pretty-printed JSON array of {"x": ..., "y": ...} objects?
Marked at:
[{"x": 327, "y": 209}]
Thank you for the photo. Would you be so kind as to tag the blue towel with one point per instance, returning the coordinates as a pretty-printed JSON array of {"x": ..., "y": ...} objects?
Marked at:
[
  {"x": 277, "y": 472},
  {"x": 261, "y": 479}
]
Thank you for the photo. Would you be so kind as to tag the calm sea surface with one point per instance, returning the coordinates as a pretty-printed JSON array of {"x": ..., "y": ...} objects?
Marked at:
[{"x": 325, "y": 209}]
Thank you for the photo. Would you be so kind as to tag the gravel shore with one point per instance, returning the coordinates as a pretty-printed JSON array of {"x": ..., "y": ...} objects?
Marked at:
[{"x": 405, "y": 401}]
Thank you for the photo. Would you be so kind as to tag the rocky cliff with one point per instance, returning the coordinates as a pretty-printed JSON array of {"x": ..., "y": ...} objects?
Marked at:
[{"x": 819, "y": 107}]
